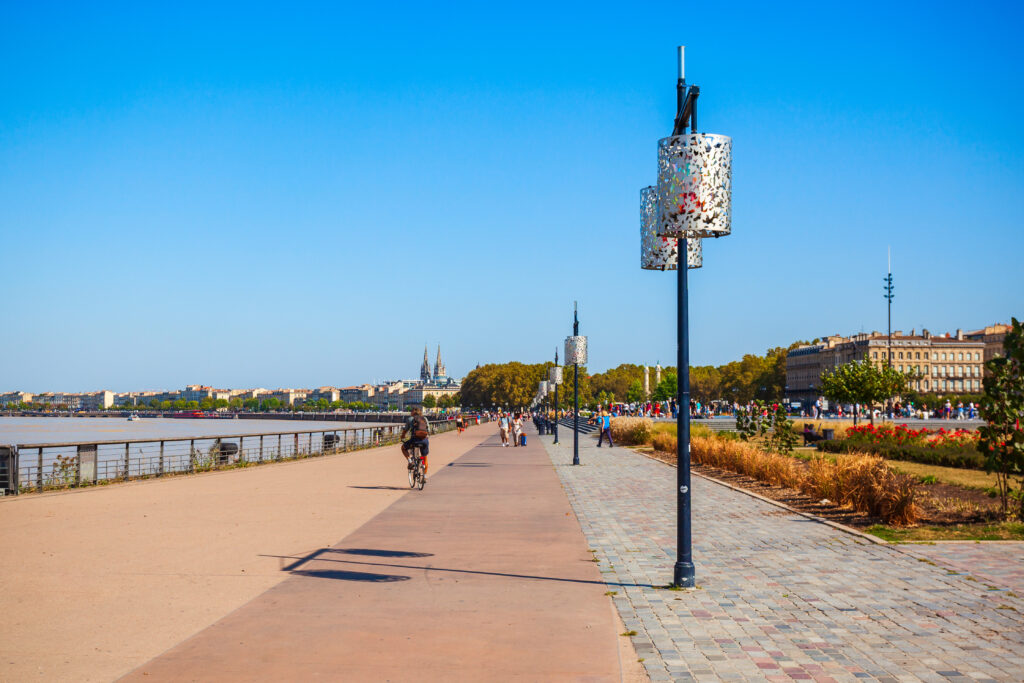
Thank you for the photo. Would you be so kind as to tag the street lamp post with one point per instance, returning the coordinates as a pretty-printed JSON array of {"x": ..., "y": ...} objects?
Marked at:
[
  {"x": 576, "y": 351},
  {"x": 693, "y": 200},
  {"x": 553, "y": 376}
]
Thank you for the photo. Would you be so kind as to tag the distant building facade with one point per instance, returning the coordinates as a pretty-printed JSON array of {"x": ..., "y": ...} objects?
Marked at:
[{"x": 942, "y": 364}]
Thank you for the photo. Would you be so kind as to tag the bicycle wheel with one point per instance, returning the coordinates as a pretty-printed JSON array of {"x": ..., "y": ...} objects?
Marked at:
[
  {"x": 415, "y": 455},
  {"x": 421, "y": 476}
]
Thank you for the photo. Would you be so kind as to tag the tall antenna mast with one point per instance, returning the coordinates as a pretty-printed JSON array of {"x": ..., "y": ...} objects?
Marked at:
[{"x": 888, "y": 297}]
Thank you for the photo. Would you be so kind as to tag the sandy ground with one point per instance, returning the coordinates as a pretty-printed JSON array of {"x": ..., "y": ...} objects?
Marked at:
[{"x": 98, "y": 581}]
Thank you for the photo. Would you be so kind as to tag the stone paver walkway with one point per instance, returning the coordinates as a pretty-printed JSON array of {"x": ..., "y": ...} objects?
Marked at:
[
  {"x": 781, "y": 597},
  {"x": 1000, "y": 565}
]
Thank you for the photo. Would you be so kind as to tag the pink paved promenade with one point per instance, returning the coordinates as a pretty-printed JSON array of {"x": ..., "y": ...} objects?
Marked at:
[{"x": 327, "y": 568}]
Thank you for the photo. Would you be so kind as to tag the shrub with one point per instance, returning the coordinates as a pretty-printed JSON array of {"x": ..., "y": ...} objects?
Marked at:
[
  {"x": 949, "y": 456},
  {"x": 665, "y": 442},
  {"x": 632, "y": 431}
]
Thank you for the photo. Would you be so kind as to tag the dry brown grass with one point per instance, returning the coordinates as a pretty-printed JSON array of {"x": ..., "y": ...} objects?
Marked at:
[
  {"x": 632, "y": 431},
  {"x": 863, "y": 482},
  {"x": 665, "y": 442}
]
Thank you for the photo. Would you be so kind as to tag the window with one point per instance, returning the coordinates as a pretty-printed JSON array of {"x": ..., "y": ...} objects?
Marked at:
[
  {"x": 977, "y": 356},
  {"x": 917, "y": 356},
  {"x": 976, "y": 372},
  {"x": 901, "y": 355},
  {"x": 875, "y": 354},
  {"x": 961, "y": 354},
  {"x": 976, "y": 387},
  {"x": 901, "y": 368},
  {"x": 926, "y": 385},
  {"x": 943, "y": 355}
]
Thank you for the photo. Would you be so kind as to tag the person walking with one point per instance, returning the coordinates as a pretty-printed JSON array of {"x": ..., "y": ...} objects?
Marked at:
[
  {"x": 517, "y": 427},
  {"x": 604, "y": 421},
  {"x": 503, "y": 425}
]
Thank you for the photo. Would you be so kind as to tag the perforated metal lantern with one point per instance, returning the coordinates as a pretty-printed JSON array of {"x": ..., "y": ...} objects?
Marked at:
[
  {"x": 576, "y": 350},
  {"x": 555, "y": 374},
  {"x": 542, "y": 388},
  {"x": 662, "y": 253},
  {"x": 695, "y": 186}
]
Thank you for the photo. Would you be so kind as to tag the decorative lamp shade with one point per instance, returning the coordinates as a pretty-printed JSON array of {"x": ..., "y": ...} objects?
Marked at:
[
  {"x": 662, "y": 253},
  {"x": 542, "y": 388},
  {"x": 555, "y": 374},
  {"x": 575, "y": 350},
  {"x": 695, "y": 186}
]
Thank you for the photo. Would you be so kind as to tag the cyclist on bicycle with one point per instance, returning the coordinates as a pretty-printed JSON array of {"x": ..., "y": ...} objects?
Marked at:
[{"x": 419, "y": 430}]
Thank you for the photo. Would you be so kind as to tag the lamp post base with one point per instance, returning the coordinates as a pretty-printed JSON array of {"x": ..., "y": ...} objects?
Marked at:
[{"x": 683, "y": 575}]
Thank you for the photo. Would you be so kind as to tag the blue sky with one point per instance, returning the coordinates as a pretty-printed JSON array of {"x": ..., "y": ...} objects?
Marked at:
[{"x": 291, "y": 195}]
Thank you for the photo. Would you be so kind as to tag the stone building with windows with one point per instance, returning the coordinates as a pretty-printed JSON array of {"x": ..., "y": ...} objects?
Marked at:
[{"x": 943, "y": 364}]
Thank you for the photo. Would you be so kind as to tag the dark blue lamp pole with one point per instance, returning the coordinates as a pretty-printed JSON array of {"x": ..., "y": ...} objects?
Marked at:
[
  {"x": 692, "y": 202},
  {"x": 555, "y": 380},
  {"x": 575, "y": 394}
]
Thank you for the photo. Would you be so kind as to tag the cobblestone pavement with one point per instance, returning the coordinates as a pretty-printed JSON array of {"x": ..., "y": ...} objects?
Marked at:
[
  {"x": 780, "y": 597},
  {"x": 999, "y": 564}
]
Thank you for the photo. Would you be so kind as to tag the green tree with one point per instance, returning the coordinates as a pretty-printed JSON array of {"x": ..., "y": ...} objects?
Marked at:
[
  {"x": 191, "y": 405},
  {"x": 635, "y": 392},
  {"x": 429, "y": 401},
  {"x": 667, "y": 388},
  {"x": 220, "y": 403},
  {"x": 1002, "y": 438},
  {"x": 235, "y": 403},
  {"x": 206, "y": 404},
  {"x": 180, "y": 404},
  {"x": 166, "y": 405},
  {"x": 862, "y": 382}
]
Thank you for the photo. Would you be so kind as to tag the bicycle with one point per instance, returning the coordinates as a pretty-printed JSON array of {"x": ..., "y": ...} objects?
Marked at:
[{"x": 417, "y": 477}]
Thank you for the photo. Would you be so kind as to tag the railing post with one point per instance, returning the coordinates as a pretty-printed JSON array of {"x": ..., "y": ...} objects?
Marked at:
[
  {"x": 261, "y": 448},
  {"x": 39, "y": 473},
  {"x": 127, "y": 461},
  {"x": 278, "y": 446},
  {"x": 296, "y": 453},
  {"x": 241, "y": 448},
  {"x": 78, "y": 467},
  {"x": 160, "y": 473},
  {"x": 192, "y": 455}
]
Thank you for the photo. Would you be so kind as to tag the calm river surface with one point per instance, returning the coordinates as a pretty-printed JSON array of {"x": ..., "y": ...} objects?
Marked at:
[{"x": 68, "y": 429}]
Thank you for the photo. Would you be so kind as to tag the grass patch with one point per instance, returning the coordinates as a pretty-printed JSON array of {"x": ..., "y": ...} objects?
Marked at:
[
  {"x": 1006, "y": 531},
  {"x": 611, "y": 592},
  {"x": 628, "y": 634},
  {"x": 969, "y": 479}
]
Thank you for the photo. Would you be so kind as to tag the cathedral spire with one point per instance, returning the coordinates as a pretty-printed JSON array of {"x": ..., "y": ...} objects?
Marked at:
[
  {"x": 425, "y": 368},
  {"x": 439, "y": 369}
]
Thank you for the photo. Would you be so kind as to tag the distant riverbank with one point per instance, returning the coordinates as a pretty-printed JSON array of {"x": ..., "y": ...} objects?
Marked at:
[{"x": 15, "y": 430}]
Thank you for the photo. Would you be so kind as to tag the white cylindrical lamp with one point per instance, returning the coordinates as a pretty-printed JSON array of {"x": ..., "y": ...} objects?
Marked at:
[
  {"x": 695, "y": 186},
  {"x": 662, "y": 253}
]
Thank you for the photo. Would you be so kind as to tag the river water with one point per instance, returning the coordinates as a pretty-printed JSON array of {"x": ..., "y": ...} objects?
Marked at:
[{"x": 15, "y": 430}]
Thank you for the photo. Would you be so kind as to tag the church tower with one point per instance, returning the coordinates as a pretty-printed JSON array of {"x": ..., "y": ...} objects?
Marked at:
[
  {"x": 440, "y": 373},
  {"x": 425, "y": 368}
]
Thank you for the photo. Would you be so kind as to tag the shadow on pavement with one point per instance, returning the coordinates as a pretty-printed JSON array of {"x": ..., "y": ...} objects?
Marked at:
[
  {"x": 350, "y": 576},
  {"x": 377, "y": 553},
  {"x": 382, "y": 488},
  {"x": 318, "y": 555}
]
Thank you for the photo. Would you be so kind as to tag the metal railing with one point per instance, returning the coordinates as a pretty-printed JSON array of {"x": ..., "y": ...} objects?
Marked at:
[{"x": 34, "y": 467}]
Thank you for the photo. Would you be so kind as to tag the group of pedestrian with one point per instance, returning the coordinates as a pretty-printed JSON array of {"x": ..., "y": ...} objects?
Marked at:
[{"x": 510, "y": 425}]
